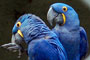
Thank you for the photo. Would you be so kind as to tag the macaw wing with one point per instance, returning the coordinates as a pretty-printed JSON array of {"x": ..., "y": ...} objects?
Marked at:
[
  {"x": 43, "y": 50},
  {"x": 83, "y": 42}
]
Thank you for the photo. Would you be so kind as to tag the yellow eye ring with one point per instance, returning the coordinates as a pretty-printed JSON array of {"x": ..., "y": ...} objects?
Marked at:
[
  {"x": 18, "y": 24},
  {"x": 64, "y": 9}
]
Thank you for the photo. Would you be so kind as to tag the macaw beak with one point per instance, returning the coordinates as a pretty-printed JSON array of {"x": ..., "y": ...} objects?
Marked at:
[
  {"x": 17, "y": 38},
  {"x": 55, "y": 17}
]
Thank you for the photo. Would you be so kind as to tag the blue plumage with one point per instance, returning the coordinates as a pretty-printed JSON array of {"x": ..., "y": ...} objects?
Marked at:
[
  {"x": 42, "y": 43},
  {"x": 83, "y": 42},
  {"x": 71, "y": 35}
]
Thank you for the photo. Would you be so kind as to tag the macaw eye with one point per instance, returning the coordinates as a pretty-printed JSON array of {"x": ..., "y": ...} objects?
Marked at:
[
  {"x": 64, "y": 9},
  {"x": 18, "y": 24}
]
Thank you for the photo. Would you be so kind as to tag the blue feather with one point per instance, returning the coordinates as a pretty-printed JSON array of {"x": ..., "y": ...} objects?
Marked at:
[
  {"x": 83, "y": 42},
  {"x": 70, "y": 34},
  {"x": 42, "y": 43}
]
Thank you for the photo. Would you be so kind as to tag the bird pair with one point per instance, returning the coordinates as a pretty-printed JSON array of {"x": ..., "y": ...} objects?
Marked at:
[{"x": 66, "y": 41}]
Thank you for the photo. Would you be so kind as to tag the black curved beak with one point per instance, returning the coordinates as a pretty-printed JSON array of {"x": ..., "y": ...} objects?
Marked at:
[
  {"x": 16, "y": 38},
  {"x": 58, "y": 18}
]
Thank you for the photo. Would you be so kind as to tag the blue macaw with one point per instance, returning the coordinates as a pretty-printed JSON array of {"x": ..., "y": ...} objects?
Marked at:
[
  {"x": 67, "y": 28},
  {"x": 42, "y": 43}
]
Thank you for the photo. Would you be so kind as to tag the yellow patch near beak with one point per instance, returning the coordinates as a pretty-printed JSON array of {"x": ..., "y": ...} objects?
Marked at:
[
  {"x": 20, "y": 33},
  {"x": 64, "y": 19}
]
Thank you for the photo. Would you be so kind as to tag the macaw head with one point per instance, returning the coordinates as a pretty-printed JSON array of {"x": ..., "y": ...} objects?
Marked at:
[
  {"x": 17, "y": 35},
  {"x": 26, "y": 28},
  {"x": 63, "y": 15}
]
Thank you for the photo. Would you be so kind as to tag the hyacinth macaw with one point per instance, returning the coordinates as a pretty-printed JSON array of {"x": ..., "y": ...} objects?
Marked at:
[
  {"x": 42, "y": 43},
  {"x": 67, "y": 28}
]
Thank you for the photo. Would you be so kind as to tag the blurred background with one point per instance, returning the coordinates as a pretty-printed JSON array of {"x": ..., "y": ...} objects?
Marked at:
[{"x": 10, "y": 10}]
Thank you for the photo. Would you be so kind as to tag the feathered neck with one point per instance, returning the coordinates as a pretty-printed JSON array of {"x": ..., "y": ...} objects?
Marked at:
[{"x": 34, "y": 28}]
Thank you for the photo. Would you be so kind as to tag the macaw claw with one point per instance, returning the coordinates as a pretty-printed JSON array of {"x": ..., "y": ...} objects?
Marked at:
[
  {"x": 8, "y": 45},
  {"x": 14, "y": 48}
]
